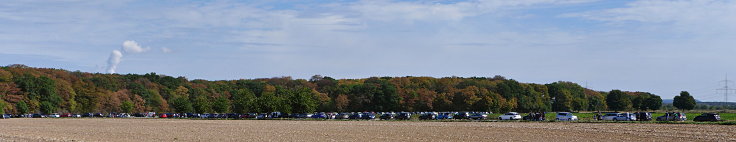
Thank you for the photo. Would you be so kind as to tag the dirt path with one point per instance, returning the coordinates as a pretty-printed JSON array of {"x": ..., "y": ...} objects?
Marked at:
[{"x": 282, "y": 130}]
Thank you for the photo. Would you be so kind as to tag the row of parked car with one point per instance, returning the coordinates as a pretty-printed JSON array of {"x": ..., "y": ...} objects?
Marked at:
[
  {"x": 646, "y": 116},
  {"x": 534, "y": 116}
]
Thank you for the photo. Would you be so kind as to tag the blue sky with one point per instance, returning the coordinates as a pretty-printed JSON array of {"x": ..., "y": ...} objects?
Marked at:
[{"x": 655, "y": 46}]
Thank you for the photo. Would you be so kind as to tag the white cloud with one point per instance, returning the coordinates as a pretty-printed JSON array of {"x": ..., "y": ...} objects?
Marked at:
[
  {"x": 130, "y": 46},
  {"x": 691, "y": 16},
  {"x": 386, "y": 10}
]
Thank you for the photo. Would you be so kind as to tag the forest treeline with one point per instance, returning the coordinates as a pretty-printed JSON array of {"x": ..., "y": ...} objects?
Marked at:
[{"x": 42, "y": 90}]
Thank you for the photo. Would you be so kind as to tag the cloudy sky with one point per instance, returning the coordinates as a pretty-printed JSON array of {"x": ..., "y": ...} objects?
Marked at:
[{"x": 658, "y": 46}]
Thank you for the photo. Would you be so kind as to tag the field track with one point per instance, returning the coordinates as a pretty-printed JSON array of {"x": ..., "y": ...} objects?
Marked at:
[{"x": 27, "y": 129}]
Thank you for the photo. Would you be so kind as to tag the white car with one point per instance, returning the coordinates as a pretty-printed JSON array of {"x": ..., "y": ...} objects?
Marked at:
[
  {"x": 566, "y": 116},
  {"x": 54, "y": 115},
  {"x": 625, "y": 117},
  {"x": 609, "y": 116},
  {"x": 510, "y": 116}
]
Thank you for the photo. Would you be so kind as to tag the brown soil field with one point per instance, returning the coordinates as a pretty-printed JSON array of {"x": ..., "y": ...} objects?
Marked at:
[{"x": 29, "y": 129}]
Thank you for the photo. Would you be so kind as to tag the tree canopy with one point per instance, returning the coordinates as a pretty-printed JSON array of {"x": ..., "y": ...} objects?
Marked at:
[{"x": 41, "y": 90}]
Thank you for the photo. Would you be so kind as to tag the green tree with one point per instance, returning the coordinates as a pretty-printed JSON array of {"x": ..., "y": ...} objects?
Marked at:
[
  {"x": 684, "y": 101},
  {"x": 243, "y": 101},
  {"x": 22, "y": 107},
  {"x": 562, "y": 101},
  {"x": 654, "y": 102},
  {"x": 182, "y": 105},
  {"x": 618, "y": 100},
  {"x": 127, "y": 106},
  {"x": 47, "y": 107},
  {"x": 221, "y": 105},
  {"x": 2, "y": 106},
  {"x": 303, "y": 101},
  {"x": 201, "y": 105}
]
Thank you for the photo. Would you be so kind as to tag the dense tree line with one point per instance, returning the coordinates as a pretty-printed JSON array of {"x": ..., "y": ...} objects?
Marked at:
[{"x": 40, "y": 90}]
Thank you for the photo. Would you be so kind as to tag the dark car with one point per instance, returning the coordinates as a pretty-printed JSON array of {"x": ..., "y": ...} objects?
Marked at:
[
  {"x": 534, "y": 116},
  {"x": 368, "y": 116},
  {"x": 263, "y": 116},
  {"x": 428, "y": 116},
  {"x": 387, "y": 116},
  {"x": 6, "y": 116},
  {"x": 672, "y": 116},
  {"x": 233, "y": 115},
  {"x": 403, "y": 116},
  {"x": 343, "y": 116},
  {"x": 462, "y": 115},
  {"x": 135, "y": 115},
  {"x": 643, "y": 116},
  {"x": 478, "y": 116},
  {"x": 446, "y": 115},
  {"x": 249, "y": 115},
  {"x": 276, "y": 115},
  {"x": 356, "y": 116},
  {"x": 98, "y": 115},
  {"x": 708, "y": 117},
  {"x": 37, "y": 116},
  {"x": 320, "y": 115},
  {"x": 88, "y": 115}
]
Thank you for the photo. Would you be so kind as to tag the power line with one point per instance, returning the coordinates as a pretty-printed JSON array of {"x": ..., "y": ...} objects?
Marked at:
[{"x": 726, "y": 89}]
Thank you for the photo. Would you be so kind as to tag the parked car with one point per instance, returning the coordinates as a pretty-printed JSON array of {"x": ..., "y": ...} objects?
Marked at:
[
  {"x": 387, "y": 116},
  {"x": 446, "y": 115},
  {"x": 249, "y": 115},
  {"x": 356, "y": 116},
  {"x": 708, "y": 117},
  {"x": 403, "y": 116},
  {"x": 343, "y": 116},
  {"x": 480, "y": 116},
  {"x": 609, "y": 116},
  {"x": 98, "y": 115},
  {"x": 462, "y": 115},
  {"x": 535, "y": 116},
  {"x": 510, "y": 116},
  {"x": 232, "y": 116},
  {"x": 262, "y": 116},
  {"x": 428, "y": 116},
  {"x": 6, "y": 116},
  {"x": 625, "y": 117},
  {"x": 275, "y": 115},
  {"x": 37, "y": 116},
  {"x": 123, "y": 115},
  {"x": 320, "y": 115},
  {"x": 566, "y": 116},
  {"x": 643, "y": 116},
  {"x": 368, "y": 116},
  {"x": 672, "y": 116},
  {"x": 53, "y": 115}
]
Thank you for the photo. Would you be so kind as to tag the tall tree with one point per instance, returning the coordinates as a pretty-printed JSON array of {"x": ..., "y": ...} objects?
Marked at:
[
  {"x": 126, "y": 106},
  {"x": 243, "y": 101},
  {"x": 221, "y": 105},
  {"x": 684, "y": 101},
  {"x": 654, "y": 102},
  {"x": 22, "y": 107},
  {"x": 618, "y": 100}
]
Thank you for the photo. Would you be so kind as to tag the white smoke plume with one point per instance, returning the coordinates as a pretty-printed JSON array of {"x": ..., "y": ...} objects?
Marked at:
[
  {"x": 113, "y": 61},
  {"x": 116, "y": 56}
]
